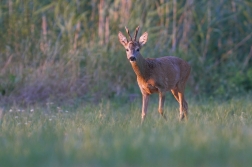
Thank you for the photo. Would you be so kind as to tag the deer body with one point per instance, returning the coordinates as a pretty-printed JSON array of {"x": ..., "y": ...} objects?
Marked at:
[{"x": 157, "y": 75}]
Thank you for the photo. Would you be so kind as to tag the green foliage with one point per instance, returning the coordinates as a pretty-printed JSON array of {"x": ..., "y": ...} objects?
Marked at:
[
  {"x": 110, "y": 134},
  {"x": 66, "y": 49}
]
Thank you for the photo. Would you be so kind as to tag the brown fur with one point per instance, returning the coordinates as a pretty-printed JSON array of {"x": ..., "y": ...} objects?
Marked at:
[{"x": 157, "y": 75}]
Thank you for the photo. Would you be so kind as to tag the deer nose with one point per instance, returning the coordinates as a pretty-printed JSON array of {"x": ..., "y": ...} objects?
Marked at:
[{"x": 132, "y": 58}]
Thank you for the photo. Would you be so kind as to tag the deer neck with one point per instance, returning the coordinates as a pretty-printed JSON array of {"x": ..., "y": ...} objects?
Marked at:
[{"x": 140, "y": 67}]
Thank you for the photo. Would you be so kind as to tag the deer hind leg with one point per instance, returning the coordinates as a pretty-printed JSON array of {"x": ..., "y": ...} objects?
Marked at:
[
  {"x": 183, "y": 106},
  {"x": 161, "y": 104},
  {"x": 178, "y": 94},
  {"x": 175, "y": 94},
  {"x": 177, "y": 97}
]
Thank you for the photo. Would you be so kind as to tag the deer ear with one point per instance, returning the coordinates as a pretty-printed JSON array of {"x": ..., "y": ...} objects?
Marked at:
[
  {"x": 143, "y": 39},
  {"x": 123, "y": 40}
]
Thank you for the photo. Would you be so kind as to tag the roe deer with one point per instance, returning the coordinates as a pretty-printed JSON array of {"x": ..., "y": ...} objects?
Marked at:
[{"x": 157, "y": 75}]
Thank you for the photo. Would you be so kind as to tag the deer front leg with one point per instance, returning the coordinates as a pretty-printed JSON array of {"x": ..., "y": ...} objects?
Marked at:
[
  {"x": 161, "y": 104},
  {"x": 144, "y": 105}
]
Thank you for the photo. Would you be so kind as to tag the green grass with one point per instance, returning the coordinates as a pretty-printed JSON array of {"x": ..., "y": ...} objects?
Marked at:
[{"x": 110, "y": 134}]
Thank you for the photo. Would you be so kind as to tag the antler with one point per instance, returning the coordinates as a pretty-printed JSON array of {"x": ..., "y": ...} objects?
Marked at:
[
  {"x": 128, "y": 33},
  {"x": 136, "y": 33}
]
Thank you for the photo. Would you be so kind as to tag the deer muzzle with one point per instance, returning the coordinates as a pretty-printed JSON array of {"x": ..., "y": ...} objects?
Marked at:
[{"x": 132, "y": 58}]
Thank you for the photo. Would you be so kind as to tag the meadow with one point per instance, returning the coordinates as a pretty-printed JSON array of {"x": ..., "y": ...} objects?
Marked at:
[
  {"x": 69, "y": 97},
  {"x": 110, "y": 134}
]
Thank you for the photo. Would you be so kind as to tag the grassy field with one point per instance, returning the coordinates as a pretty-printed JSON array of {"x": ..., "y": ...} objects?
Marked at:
[
  {"x": 110, "y": 134},
  {"x": 68, "y": 52}
]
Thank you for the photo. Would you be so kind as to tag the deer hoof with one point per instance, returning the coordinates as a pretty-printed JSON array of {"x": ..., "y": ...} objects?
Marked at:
[
  {"x": 181, "y": 116},
  {"x": 164, "y": 117}
]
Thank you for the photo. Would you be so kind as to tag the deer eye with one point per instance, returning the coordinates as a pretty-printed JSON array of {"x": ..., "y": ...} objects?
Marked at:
[{"x": 137, "y": 49}]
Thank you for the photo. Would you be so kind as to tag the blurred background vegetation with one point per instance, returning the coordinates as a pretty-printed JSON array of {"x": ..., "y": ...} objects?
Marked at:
[{"x": 63, "y": 49}]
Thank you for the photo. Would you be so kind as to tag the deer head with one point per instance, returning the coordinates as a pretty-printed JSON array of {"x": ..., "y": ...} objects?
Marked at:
[{"x": 132, "y": 46}]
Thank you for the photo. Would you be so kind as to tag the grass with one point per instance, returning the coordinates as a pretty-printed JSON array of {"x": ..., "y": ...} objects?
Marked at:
[
  {"x": 110, "y": 134},
  {"x": 69, "y": 49}
]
